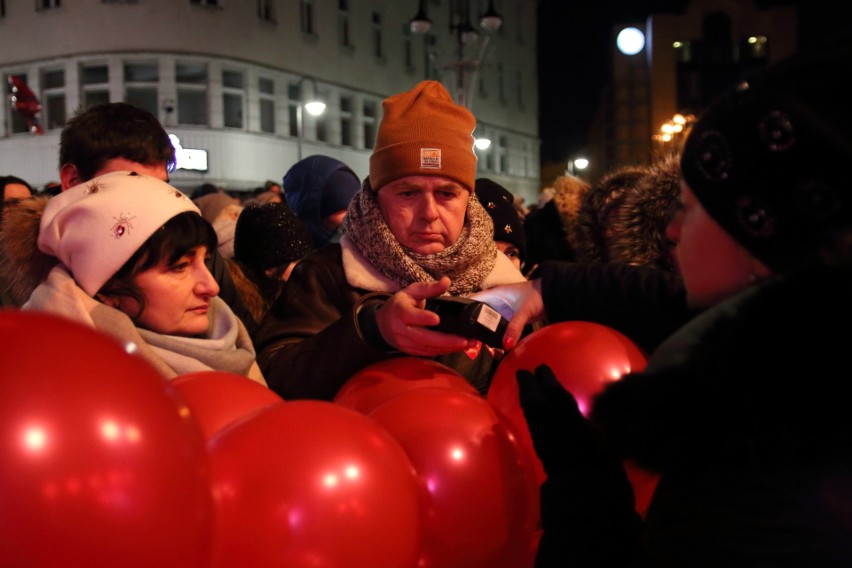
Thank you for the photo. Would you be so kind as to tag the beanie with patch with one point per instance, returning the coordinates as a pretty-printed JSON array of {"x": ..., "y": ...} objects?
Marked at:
[{"x": 423, "y": 132}]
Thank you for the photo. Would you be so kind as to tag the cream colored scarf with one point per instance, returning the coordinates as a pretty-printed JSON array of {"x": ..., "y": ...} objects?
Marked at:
[{"x": 467, "y": 261}]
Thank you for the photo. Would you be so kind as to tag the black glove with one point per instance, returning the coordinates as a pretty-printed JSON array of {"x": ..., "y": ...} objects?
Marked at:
[{"x": 587, "y": 508}]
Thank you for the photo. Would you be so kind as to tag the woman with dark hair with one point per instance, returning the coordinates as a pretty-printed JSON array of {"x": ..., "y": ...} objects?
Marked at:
[{"x": 130, "y": 253}]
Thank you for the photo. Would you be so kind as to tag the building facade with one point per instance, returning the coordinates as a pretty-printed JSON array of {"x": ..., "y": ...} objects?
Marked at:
[
  {"x": 687, "y": 60},
  {"x": 227, "y": 78}
]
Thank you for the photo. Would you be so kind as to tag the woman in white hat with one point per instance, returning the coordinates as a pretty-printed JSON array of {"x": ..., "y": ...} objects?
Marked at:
[{"x": 131, "y": 251}]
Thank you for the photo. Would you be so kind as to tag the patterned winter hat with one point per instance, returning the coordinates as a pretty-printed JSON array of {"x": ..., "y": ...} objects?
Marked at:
[
  {"x": 95, "y": 227},
  {"x": 500, "y": 205},
  {"x": 769, "y": 161},
  {"x": 270, "y": 235},
  {"x": 423, "y": 132}
]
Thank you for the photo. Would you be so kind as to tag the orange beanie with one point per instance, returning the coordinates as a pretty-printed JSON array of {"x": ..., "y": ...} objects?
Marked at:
[{"x": 423, "y": 132}]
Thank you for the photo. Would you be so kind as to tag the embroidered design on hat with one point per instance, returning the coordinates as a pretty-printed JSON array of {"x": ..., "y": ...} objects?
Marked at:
[
  {"x": 122, "y": 225},
  {"x": 817, "y": 200},
  {"x": 755, "y": 217},
  {"x": 777, "y": 132},
  {"x": 430, "y": 158},
  {"x": 93, "y": 187},
  {"x": 714, "y": 156}
]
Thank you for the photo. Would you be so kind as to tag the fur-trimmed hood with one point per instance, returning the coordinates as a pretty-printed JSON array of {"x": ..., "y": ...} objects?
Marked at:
[
  {"x": 22, "y": 265},
  {"x": 623, "y": 217}
]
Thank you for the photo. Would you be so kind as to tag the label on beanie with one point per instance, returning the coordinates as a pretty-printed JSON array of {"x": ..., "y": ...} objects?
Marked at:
[{"x": 430, "y": 158}]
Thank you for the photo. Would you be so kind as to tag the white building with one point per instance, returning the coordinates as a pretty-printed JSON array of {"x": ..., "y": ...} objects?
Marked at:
[{"x": 227, "y": 77}]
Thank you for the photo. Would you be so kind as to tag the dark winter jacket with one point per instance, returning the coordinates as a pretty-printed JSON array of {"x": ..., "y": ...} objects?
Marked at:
[
  {"x": 744, "y": 412},
  {"x": 644, "y": 303},
  {"x": 321, "y": 331}
]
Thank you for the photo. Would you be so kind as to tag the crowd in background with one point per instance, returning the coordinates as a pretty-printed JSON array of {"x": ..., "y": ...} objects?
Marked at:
[{"x": 727, "y": 263}]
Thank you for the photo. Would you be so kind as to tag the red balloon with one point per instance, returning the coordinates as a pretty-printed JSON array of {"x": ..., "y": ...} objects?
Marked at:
[
  {"x": 218, "y": 398},
  {"x": 310, "y": 483},
  {"x": 100, "y": 462},
  {"x": 482, "y": 495},
  {"x": 584, "y": 356},
  {"x": 379, "y": 382}
]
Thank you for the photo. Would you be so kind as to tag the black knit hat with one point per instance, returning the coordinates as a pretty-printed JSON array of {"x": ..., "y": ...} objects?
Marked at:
[
  {"x": 770, "y": 160},
  {"x": 270, "y": 235},
  {"x": 499, "y": 203}
]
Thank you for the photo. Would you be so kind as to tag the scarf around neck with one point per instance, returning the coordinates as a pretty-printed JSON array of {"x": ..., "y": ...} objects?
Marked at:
[
  {"x": 225, "y": 347},
  {"x": 467, "y": 261}
]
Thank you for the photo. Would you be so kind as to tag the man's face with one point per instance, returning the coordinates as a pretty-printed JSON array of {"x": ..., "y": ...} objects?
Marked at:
[{"x": 425, "y": 213}]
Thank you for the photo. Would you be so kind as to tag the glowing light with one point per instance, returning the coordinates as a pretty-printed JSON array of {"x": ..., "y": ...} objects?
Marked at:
[
  {"x": 630, "y": 41},
  {"x": 315, "y": 108},
  {"x": 331, "y": 480},
  {"x": 109, "y": 430},
  {"x": 35, "y": 439},
  {"x": 457, "y": 454},
  {"x": 353, "y": 472},
  {"x": 482, "y": 143}
]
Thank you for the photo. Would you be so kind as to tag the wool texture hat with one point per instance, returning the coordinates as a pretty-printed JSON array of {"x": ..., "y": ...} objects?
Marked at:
[
  {"x": 270, "y": 235},
  {"x": 423, "y": 132},
  {"x": 95, "y": 227},
  {"x": 212, "y": 204},
  {"x": 500, "y": 205},
  {"x": 769, "y": 161}
]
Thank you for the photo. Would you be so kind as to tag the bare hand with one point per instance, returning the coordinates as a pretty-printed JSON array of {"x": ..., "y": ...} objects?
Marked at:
[{"x": 404, "y": 322}]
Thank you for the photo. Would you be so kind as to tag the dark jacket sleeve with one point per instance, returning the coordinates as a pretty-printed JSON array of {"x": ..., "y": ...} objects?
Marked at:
[
  {"x": 310, "y": 342},
  {"x": 229, "y": 293},
  {"x": 644, "y": 303}
]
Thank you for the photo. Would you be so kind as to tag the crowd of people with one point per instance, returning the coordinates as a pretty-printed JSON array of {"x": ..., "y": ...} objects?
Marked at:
[{"x": 727, "y": 263}]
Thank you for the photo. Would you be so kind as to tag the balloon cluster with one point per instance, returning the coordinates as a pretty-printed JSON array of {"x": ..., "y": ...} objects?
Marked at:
[{"x": 103, "y": 462}]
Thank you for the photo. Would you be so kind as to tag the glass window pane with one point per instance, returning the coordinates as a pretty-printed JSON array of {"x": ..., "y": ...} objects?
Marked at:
[
  {"x": 141, "y": 72},
  {"x": 233, "y": 110},
  {"x": 93, "y": 75},
  {"x": 54, "y": 79},
  {"x": 266, "y": 85},
  {"x": 192, "y": 107},
  {"x": 92, "y": 98},
  {"x": 143, "y": 97},
  {"x": 55, "y": 107},
  {"x": 267, "y": 115},
  {"x": 232, "y": 79},
  {"x": 191, "y": 73}
]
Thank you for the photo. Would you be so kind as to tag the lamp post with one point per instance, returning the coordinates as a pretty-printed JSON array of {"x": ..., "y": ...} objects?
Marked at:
[
  {"x": 577, "y": 164},
  {"x": 315, "y": 107},
  {"x": 470, "y": 48}
]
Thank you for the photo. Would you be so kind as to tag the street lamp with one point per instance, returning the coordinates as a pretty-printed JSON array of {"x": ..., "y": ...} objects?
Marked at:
[
  {"x": 470, "y": 49},
  {"x": 315, "y": 107},
  {"x": 577, "y": 164}
]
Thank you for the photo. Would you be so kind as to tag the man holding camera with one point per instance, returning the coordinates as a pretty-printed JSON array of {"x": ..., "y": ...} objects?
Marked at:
[{"x": 411, "y": 233}]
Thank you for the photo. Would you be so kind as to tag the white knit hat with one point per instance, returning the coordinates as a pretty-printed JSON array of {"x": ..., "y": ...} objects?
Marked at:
[{"x": 95, "y": 227}]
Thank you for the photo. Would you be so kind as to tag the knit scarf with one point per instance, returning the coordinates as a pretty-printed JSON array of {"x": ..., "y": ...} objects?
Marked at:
[
  {"x": 225, "y": 347},
  {"x": 467, "y": 261}
]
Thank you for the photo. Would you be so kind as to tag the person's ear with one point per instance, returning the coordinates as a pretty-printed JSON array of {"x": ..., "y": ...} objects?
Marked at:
[
  {"x": 110, "y": 301},
  {"x": 69, "y": 176}
]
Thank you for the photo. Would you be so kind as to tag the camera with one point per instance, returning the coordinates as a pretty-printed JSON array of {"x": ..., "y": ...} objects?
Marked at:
[{"x": 469, "y": 318}]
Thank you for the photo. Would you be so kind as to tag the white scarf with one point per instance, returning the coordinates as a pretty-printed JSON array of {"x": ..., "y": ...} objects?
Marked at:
[{"x": 225, "y": 347}]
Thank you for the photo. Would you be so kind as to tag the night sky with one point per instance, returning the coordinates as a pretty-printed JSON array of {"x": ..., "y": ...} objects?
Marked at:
[{"x": 574, "y": 40}]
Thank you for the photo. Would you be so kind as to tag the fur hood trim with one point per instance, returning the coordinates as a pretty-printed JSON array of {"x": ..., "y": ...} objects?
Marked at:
[{"x": 22, "y": 265}]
